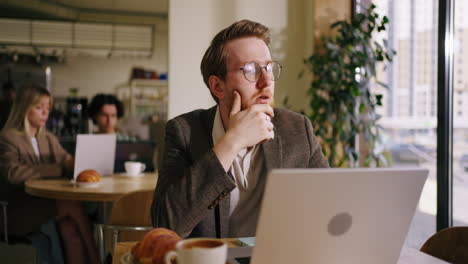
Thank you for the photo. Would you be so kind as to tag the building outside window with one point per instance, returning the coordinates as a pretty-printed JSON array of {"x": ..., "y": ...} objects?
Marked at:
[{"x": 410, "y": 104}]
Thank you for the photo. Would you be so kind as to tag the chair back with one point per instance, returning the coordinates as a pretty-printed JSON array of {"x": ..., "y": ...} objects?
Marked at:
[
  {"x": 130, "y": 220},
  {"x": 450, "y": 244},
  {"x": 133, "y": 209}
]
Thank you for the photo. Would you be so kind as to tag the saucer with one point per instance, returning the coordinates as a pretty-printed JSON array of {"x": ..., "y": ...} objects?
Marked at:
[
  {"x": 85, "y": 184},
  {"x": 127, "y": 258},
  {"x": 124, "y": 174}
]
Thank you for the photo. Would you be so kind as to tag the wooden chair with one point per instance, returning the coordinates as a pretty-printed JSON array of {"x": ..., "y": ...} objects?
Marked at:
[
  {"x": 130, "y": 220},
  {"x": 449, "y": 244}
]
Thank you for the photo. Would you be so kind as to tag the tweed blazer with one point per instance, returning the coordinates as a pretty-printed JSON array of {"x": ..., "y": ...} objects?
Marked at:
[
  {"x": 193, "y": 189},
  {"x": 18, "y": 162}
]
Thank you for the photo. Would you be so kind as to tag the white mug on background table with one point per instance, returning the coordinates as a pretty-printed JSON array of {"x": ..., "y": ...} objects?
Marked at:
[
  {"x": 198, "y": 250},
  {"x": 134, "y": 168}
]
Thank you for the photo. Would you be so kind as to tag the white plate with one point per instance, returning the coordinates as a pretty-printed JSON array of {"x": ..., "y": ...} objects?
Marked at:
[
  {"x": 85, "y": 184},
  {"x": 126, "y": 258},
  {"x": 123, "y": 174}
]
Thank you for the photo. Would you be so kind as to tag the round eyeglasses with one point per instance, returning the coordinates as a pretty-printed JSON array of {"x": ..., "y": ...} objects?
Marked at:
[{"x": 252, "y": 71}]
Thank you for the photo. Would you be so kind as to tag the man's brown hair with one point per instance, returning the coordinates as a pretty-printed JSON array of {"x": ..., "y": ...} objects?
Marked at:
[{"x": 214, "y": 60}]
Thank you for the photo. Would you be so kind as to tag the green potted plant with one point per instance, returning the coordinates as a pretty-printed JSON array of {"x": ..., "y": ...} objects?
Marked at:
[{"x": 343, "y": 107}]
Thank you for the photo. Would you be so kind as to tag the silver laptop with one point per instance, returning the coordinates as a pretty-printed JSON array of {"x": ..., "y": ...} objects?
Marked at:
[
  {"x": 334, "y": 216},
  {"x": 95, "y": 152}
]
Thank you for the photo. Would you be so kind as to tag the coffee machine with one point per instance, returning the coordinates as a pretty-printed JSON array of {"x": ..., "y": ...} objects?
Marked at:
[
  {"x": 68, "y": 117},
  {"x": 76, "y": 119}
]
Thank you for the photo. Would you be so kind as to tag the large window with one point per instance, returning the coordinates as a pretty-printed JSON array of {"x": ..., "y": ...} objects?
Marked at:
[
  {"x": 411, "y": 117},
  {"x": 460, "y": 114},
  {"x": 410, "y": 105}
]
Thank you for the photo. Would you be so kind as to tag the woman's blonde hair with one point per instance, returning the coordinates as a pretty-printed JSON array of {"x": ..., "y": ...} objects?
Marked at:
[{"x": 27, "y": 97}]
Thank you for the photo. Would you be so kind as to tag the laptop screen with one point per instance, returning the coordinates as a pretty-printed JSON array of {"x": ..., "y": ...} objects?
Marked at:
[
  {"x": 95, "y": 152},
  {"x": 142, "y": 151}
]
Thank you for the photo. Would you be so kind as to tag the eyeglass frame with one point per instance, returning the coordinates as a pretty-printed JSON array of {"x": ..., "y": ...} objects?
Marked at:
[{"x": 261, "y": 72}]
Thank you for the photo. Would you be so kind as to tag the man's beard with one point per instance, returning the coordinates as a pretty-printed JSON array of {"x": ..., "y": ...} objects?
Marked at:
[{"x": 270, "y": 96}]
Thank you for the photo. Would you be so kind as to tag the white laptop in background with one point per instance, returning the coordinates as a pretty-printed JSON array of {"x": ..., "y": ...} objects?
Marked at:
[
  {"x": 338, "y": 216},
  {"x": 95, "y": 152}
]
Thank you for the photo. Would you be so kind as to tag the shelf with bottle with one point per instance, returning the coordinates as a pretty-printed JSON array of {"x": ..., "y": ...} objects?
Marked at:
[
  {"x": 143, "y": 94},
  {"x": 147, "y": 82},
  {"x": 139, "y": 89}
]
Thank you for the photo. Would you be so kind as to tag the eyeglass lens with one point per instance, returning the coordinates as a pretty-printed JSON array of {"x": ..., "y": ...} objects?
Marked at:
[{"x": 252, "y": 71}]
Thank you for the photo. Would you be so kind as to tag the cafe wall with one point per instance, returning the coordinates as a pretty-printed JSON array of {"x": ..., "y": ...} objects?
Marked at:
[
  {"x": 193, "y": 24},
  {"x": 93, "y": 74},
  {"x": 191, "y": 27}
]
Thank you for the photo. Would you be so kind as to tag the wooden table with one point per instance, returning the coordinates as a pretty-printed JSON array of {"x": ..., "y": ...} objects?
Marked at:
[
  {"x": 408, "y": 255},
  {"x": 111, "y": 188}
]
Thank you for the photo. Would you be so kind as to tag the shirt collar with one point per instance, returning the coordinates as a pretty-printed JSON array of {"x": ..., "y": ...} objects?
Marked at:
[{"x": 218, "y": 128}]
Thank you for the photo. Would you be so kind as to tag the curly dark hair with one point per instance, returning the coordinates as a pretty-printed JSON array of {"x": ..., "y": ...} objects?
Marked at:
[{"x": 100, "y": 100}]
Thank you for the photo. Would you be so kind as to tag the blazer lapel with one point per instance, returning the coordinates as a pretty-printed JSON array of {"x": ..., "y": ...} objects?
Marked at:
[
  {"x": 272, "y": 151},
  {"x": 30, "y": 150},
  {"x": 44, "y": 148},
  {"x": 207, "y": 118},
  {"x": 222, "y": 213}
]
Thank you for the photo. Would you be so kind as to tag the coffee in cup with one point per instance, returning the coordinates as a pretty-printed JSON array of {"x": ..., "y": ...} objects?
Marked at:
[
  {"x": 198, "y": 250},
  {"x": 134, "y": 168}
]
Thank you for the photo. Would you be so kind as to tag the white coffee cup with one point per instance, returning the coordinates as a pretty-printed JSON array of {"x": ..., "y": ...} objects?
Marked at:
[
  {"x": 198, "y": 250},
  {"x": 134, "y": 168}
]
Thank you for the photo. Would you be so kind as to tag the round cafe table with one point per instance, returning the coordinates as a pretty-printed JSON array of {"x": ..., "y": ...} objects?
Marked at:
[{"x": 110, "y": 189}]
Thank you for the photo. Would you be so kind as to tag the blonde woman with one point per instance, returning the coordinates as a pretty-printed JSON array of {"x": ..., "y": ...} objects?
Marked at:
[{"x": 28, "y": 151}]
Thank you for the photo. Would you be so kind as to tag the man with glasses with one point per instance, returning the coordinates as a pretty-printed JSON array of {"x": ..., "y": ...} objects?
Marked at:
[{"x": 216, "y": 161}]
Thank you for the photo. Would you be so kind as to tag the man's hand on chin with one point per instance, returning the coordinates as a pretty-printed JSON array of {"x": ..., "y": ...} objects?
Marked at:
[{"x": 246, "y": 128}]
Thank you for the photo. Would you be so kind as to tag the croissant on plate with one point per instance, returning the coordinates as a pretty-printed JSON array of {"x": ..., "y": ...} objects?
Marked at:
[{"x": 89, "y": 176}]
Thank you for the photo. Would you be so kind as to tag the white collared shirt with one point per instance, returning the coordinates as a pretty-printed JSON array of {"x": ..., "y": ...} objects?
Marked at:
[
  {"x": 35, "y": 146},
  {"x": 246, "y": 169}
]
